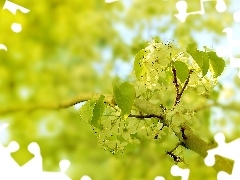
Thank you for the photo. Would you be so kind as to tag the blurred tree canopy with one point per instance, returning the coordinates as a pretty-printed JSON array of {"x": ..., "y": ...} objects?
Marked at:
[{"x": 71, "y": 47}]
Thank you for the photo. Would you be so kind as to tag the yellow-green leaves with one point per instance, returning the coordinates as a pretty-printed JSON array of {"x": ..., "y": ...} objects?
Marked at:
[
  {"x": 162, "y": 134},
  {"x": 151, "y": 63},
  {"x": 182, "y": 70},
  {"x": 195, "y": 53},
  {"x": 138, "y": 66},
  {"x": 124, "y": 95},
  {"x": 203, "y": 58},
  {"x": 156, "y": 67},
  {"x": 98, "y": 112},
  {"x": 86, "y": 111},
  {"x": 217, "y": 63},
  {"x": 92, "y": 111}
]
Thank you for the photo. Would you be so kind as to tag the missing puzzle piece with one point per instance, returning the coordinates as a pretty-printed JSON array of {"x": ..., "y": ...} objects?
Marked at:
[
  {"x": 177, "y": 171},
  {"x": 228, "y": 150},
  {"x": 33, "y": 169},
  {"x": 12, "y": 7}
]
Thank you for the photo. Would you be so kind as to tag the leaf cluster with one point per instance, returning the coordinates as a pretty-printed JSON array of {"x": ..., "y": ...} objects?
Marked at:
[{"x": 160, "y": 68}]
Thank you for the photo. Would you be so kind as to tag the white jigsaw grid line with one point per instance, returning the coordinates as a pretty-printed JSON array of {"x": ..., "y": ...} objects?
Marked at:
[
  {"x": 177, "y": 171},
  {"x": 181, "y": 6},
  {"x": 228, "y": 150},
  {"x": 33, "y": 169},
  {"x": 12, "y": 7}
]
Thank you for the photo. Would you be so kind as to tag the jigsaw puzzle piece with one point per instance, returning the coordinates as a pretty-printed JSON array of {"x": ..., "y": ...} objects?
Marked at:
[
  {"x": 177, "y": 171},
  {"x": 181, "y": 6},
  {"x": 228, "y": 150},
  {"x": 12, "y": 7}
]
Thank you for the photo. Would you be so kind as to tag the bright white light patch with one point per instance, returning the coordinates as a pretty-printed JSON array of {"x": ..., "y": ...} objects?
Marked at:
[
  {"x": 110, "y": 1},
  {"x": 159, "y": 178},
  {"x": 2, "y": 46},
  {"x": 16, "y": 27},
  {"x": 78, "y": 105},
  {"x": 85, "y": 177}
]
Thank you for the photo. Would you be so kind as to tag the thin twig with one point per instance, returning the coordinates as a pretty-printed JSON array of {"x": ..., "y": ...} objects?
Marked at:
[
  {"x": 145, "y": 116},
  {"x": 186, "y": 82},
  {"x": 175, "y": 81},
  {"x": 179, "y": 94}
]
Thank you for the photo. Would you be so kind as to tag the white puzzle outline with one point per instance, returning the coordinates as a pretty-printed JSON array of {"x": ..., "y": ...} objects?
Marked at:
[
  {"x": 177, "y": 171},
  {"x": 33, "y": 169},
  {"x": 12, "y": 7},
  {"x": 228, "y": 150},
  {"x": 182, "y": 6},
  {"x": 35, "y": 164}
]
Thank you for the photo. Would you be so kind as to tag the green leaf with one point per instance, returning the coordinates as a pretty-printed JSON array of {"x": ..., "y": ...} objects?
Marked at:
[
  {"x": 217, "y": 63},
  {"x": 98, "y": 112},
  {"x": 182, "y": 70},
  {"x": 169, "y": 75},
  {"x": 124, "y": 96},
  {"x": 196, "y": 54},
  {"x": 86, "y": 111},
  {"x": 138, "y": 66},
  {"x": 163, "y": 134},
  {"x": 201, "y": 58},
  {"x": 205, "y": 66}
]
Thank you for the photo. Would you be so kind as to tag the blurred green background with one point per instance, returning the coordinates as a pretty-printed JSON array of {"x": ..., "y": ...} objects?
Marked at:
[{"x": 71, "y": 47}]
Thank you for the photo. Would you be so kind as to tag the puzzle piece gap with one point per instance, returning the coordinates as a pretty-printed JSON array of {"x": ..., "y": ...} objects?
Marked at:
[
  {"x": 228, "y": 150},
  {"x": 12, "y": 7},
  {"x": 32, "y": 169},
  {"x": 182, "y": 6}
]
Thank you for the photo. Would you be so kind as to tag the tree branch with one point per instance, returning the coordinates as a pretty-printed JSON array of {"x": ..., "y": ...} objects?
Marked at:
[
  {"x": 186, "y": 83},
  {"x": 57, "y": 105},
  {"x": 179, "y": 94},
  {"x": 175, "y": 82},
  {"x": 196, "y": 144},
  {"x": 145, "y": 116},
  {"x": 186, "y": 136}
]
